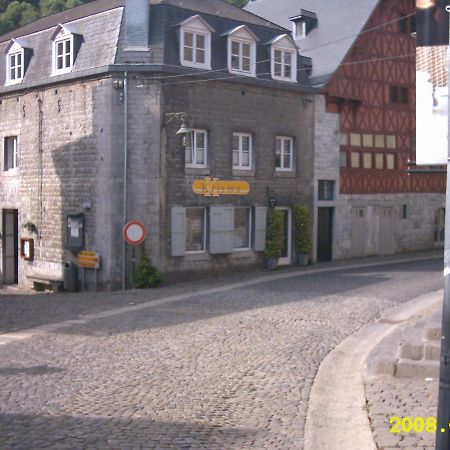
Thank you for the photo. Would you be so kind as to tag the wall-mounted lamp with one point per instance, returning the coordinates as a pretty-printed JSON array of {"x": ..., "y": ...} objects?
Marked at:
[{"x": 184, "y": 129}]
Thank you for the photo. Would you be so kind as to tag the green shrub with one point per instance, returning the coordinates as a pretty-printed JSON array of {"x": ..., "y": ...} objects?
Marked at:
[
  {"x": 302, "y": 226},
  {"x": 275, "y": 234},
  {"x": 146, "y": 276}
]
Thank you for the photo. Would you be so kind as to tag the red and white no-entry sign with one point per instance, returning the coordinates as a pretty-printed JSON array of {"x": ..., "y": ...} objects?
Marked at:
[{"x": 134, "y": 232}]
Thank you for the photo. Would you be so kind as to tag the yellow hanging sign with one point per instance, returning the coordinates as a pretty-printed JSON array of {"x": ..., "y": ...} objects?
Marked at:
[{"x": 213, "y": 187}]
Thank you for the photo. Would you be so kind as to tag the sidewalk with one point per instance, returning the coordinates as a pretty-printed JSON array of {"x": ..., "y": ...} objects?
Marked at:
[
  {"x": 373, "y": 381},
  {"x": 20, "y": 310},
  {"x": 403, "y": 381}
]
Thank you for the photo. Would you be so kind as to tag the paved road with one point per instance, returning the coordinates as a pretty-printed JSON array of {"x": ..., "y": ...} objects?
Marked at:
[{"x": 230, "y": 370}]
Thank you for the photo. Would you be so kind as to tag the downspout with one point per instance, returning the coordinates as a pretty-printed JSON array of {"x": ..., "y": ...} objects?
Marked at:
[{"x": 125, "y": 175}]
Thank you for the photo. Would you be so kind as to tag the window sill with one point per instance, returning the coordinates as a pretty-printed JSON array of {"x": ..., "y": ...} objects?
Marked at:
[
  {"x": 11, "y": 172},
  {"x": 284, "y": 173},
  {"x": 13, "y": 82},
  {"x": 193, "y": 253},
  {"x": 243, "y": 173},
  {"x": 196, "y": 66},
  {"x": 61, "y": 72},
  {"x": 242, "y": 253},
  {"x": 286, "y": 80},
  {"x": 197, "y": 171},
  {"x": 245, "y": 74}
]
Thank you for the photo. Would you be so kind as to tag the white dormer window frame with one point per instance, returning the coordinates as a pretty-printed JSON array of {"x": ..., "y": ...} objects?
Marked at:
[
  {"x": 15, "y": 66},
  {"x": 195, "y": 43},
  {"x": 63, "y": 54},
  {"x": 283, "y": 57},
  {"x": 299, "y": 29},
  {"x": 241, "y": 50},
  {"x": 242, "y": 56}
]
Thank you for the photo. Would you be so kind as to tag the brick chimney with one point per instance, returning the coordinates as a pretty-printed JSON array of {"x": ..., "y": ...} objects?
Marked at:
[{"x": 137, "y": 25}]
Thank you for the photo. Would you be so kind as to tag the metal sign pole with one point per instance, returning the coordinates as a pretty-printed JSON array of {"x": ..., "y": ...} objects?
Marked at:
[{"x": 443, "y": 412}]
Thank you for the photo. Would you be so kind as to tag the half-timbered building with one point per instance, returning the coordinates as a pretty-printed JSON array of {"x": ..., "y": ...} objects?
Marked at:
[{"x": 363, "y": 61}]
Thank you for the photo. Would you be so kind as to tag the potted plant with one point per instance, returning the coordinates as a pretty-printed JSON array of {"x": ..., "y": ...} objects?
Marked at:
[
  {"x": 302, "y": 226},
  {"x": 274, "y": 238}
]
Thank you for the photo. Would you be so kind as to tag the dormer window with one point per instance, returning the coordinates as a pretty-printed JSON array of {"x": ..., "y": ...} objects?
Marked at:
[
  {"x": 66, "y": 43},
  {"x": 15, "y": 67},
  {"x": 242, "y": 51},
  {"x": 18, "y": 56},
  {"x": 63, "y": 55},
  {"x": 195, "y": 43},
  {"x": 284, "y": 59}
]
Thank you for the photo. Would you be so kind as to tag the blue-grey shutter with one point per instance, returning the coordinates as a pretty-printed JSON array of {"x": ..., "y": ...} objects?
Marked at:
[
  {"x": 260, "y": 228},
  {"x": 221, "y": 230},
  {"x": 178, "y": 235}
]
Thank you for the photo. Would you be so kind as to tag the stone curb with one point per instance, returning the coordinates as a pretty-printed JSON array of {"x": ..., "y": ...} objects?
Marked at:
[{"x": 336, "y": 417}]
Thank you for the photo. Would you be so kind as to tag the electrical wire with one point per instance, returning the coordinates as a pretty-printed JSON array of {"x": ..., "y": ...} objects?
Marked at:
[
  {"x": 387, "y": 58},
  {"x": 301, "y": 50}
]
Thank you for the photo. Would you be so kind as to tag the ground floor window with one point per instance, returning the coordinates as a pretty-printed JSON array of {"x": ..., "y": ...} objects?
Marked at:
[
  {"x": 195, "y": 229},
  {"x": 439, "y": 225},
  {"x": 10, "y": 153},
  {"x": 242, "y": 228}
]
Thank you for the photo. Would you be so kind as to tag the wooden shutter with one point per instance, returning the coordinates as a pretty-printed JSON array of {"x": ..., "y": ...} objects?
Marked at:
[
  {"x": 221, "y": 230},
  {"x": 178, "y": 234},
  {"x": 260, "y": 228}
]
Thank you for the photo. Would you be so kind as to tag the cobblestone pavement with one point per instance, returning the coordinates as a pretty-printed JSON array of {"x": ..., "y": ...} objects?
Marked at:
[
  {"x": 402, "y": 397},
  {"x": 232, "y": 370}
]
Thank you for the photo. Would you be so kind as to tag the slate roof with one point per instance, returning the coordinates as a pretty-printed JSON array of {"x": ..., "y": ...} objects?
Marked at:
[
  {"x": 100, "y": 23},
  {"x": 339, "y": 23},
  {"x": 213, "y": 7},
  {"x": 100, "y": 36}
]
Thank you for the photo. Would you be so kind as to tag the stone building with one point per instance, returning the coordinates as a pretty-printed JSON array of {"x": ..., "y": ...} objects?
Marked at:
[
  {"x": 363, "y": 62},
  {"x": 91, "y": 100}
]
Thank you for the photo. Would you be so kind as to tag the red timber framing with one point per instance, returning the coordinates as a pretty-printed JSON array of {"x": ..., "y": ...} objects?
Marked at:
[{"x": 362, "y": 92}]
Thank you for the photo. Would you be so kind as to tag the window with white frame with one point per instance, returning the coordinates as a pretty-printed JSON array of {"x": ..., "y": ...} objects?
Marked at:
[
  {"x": 282, "y": 64},
  {"x": 195, "y": 43},
  {"x": 196, "y": 151},
  {"x": 242, "y": 228},
  {"x": 284, "y": 59},
  {"x": 10, "y": 153},
  {"x": 284, "y": 153},
  {"x": 242, "y": 151},
  {"x": 63, "y": 54},
  {"x": 195, "y": 230},
  {"x": 242, "y": 56},
  {"x": 15, "y": 67}
]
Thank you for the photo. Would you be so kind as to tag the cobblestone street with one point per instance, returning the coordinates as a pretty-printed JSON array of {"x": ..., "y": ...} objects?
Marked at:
[
  {"x": 398, "y": 397},
  {"x": 228, "y": 370}
]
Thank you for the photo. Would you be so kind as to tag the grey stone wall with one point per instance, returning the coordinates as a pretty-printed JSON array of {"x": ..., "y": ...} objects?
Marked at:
[
  {"x": 224, "y": 108},
  {"x": 68, "y": 147},
  {"x": 414, "y": 233},
  {"x": 326, "y": 159}
]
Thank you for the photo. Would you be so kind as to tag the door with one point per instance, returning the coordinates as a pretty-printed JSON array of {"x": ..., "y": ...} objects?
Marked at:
[
  {"x": 10, "y": 246},
  {"x": 325, "y": 234},
  {"x": 286, "y": 254},
  {"x": 386, "y": 236},
  {"x": 358, "y": 232}
]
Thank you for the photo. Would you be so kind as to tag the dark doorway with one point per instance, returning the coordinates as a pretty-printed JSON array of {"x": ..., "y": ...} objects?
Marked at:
[
  {"x": 325, "y": 234},
  {"x": 10, "y": 246}
]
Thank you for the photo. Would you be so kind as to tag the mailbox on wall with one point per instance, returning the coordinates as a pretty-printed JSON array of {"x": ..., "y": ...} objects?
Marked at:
[{"x": 75, "y": 232}]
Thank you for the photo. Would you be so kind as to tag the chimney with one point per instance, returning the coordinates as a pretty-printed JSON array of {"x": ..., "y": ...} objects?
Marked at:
[{"x": 137, "y": 25}]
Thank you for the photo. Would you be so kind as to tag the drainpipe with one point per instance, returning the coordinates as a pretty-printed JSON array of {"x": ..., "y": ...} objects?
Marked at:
[{"x": 125, "y": 175}]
